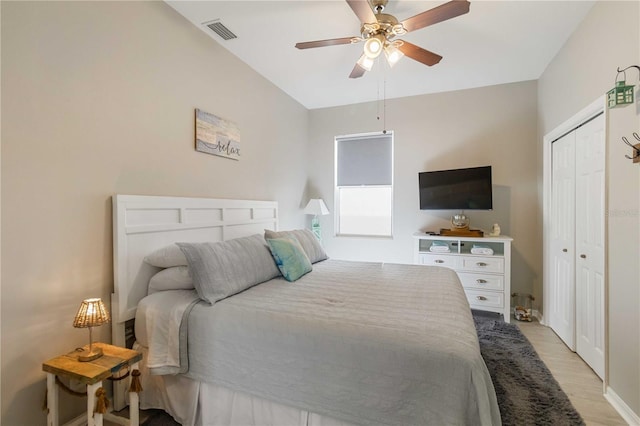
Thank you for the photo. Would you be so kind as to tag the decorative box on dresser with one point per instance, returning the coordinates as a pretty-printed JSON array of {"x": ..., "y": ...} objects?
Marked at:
[{"x": 486, "y": 278}]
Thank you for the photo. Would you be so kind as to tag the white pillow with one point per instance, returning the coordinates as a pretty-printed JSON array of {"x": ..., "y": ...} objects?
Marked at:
[
  {"x": 175, "y": 278},
  {"x": 167, "y": 257}
]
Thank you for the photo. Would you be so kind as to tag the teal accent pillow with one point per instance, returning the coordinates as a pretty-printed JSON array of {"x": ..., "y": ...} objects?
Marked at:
[
  {"x": 290, "y": 257},
  {"x": 307, "y": 240}
]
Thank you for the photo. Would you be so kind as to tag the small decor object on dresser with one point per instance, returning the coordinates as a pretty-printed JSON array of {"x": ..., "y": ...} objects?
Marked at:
[
  {"x": 495, "y": 230},
  {"x": 217, "y": 136}
]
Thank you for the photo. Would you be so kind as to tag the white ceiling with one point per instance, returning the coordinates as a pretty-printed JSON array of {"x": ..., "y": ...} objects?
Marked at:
[{"x": 496, "y": 42}]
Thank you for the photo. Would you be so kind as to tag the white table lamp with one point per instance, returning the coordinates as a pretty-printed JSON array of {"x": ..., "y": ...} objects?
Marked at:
[{"x": 316, "y": 207}]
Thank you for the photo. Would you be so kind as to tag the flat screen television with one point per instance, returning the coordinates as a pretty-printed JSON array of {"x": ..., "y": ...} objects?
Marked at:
[{"x": 459, "y": 189}]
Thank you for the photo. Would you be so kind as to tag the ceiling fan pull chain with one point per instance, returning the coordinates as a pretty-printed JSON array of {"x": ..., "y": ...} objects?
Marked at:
[
  {"x": 378, "y": 101},
  {"x": 384, "y": 103}
]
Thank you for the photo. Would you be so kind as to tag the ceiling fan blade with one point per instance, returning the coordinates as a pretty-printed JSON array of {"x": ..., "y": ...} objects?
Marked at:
[
  {"x": 419, "y": 54},
  {"x": 437, "y": 14},
  {"x": 357, "y": 72},
  {"x": 322, "y": 43},
  {"x": 363, "y": 11}
]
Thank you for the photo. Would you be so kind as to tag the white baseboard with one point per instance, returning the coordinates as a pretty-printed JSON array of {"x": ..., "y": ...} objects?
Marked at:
[
  {"x": 621, "y": 407},
  {"x": 537, "y": 315}
]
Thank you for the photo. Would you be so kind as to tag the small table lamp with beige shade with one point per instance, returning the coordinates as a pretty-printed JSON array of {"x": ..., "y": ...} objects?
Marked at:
[
  {"x": 316, "y": 207},
  {"x": 92, "y": 313}
]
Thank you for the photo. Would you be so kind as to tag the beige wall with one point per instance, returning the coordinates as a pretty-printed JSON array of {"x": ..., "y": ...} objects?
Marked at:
[
  {"x": 98, "y": 98},
  {"x": 583, "y": 70},
  {"x": 488, "y": 126}
]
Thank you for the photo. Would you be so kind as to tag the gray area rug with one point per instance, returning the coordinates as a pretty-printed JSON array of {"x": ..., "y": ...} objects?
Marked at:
[{"x": 527, "y": 392}]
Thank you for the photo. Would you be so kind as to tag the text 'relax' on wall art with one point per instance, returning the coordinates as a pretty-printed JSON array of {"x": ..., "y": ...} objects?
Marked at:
[{"x": 217, "y": 136}]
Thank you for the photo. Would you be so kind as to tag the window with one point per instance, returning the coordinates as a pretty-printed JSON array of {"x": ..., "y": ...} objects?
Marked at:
[{"x": 364, "y": 184}]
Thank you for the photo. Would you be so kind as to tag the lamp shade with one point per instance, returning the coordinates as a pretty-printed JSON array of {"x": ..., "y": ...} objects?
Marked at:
[
  {"x": 373, "y": 46},
  {"x": 365, "y": 62},
  {"x": 393, "y": 54},
  {"x": 316, "y": 207},
  {"x": 91, "y": 313}
]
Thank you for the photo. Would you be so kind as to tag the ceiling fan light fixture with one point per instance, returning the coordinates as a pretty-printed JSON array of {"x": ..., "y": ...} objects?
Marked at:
[
  {"x": 373, "y": 46},
  {"x": 393, "y": 54},
  {"x": 365, "y": 62}
]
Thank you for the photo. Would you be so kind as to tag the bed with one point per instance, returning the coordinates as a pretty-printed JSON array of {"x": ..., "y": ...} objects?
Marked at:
[{"x": 348, "y": 343}]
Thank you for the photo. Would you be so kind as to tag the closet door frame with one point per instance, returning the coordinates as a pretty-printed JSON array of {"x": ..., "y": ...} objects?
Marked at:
[{"x": 596, "y": 107}]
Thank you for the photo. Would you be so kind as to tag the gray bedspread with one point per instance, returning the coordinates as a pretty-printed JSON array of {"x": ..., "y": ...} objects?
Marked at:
[{"x": 367, "y": 343}]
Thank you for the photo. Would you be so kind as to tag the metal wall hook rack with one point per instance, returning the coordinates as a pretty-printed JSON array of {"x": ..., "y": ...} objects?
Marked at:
[{"x": 636, "y": 148}]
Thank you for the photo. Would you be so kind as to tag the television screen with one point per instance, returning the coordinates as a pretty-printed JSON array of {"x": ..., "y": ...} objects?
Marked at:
[{"x": 459, "y": 189}]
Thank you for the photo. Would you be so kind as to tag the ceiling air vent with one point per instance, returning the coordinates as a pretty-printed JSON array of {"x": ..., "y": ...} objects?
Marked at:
[{"x": 217, "y": 27}]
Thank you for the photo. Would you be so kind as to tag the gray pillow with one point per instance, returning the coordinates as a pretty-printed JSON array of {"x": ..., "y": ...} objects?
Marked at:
[
  {"x": 166, "y": 257},
  {"x": 225, "y": 268},
  {"x": 307, "y": 240}
]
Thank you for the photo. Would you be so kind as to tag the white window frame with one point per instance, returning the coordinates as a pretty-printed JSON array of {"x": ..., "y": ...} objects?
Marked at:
[{"x": 336, "y": 188}]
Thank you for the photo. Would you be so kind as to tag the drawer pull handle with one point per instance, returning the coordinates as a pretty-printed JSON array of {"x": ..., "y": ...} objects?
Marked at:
[
  {"x": 439, "y": 261},
  {"x": 564, "y": 250},
  {"x": 481, "y": 281},
  {"x": 481, "y": 298},
  {"x": 583, "y": 256},
  {"x": 481, "y": 264}
]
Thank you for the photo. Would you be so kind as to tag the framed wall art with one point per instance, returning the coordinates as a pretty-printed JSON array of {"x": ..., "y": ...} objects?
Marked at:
[{"x": 217, "y": 136}]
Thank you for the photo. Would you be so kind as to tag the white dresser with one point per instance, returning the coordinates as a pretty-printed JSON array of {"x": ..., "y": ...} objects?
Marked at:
[{"x": 486, "y": 278}]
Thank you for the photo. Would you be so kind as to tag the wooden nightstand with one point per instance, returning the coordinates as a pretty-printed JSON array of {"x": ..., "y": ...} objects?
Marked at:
[{"x": 91, "y": 373}]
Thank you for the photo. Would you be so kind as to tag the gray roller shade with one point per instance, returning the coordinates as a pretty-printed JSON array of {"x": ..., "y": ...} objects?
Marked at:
[{"x": 365, "y": 161}]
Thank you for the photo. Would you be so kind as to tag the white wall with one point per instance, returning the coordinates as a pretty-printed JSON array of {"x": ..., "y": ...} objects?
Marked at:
[
  {"x": 584, "y": 69},
  {"x": 488, "y": 126},
  {"x": 98, "y": 98}
]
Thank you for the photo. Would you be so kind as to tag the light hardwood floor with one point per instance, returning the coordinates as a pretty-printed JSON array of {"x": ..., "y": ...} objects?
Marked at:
[{"x": 576, "y": 378}]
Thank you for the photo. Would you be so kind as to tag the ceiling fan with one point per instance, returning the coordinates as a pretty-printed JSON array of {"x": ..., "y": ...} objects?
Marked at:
[{"x": 379, "y": 31}]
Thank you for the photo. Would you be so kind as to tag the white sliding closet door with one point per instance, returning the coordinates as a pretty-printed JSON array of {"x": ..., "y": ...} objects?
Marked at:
[
  {"x": 590, "y": 244},
  {"x": 562, "y": 315}
]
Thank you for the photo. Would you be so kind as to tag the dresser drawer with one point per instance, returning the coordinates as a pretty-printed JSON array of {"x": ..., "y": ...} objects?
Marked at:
[
  {"x": 481, "y": 281},
  {"x": 482, "y": 264},
  {"x": 435, "y": 259},
  {"x": 484, "y": 299}
]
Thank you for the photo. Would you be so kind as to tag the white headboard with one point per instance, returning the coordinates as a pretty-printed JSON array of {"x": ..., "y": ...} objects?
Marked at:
[{"x": 142, "y": 224}]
